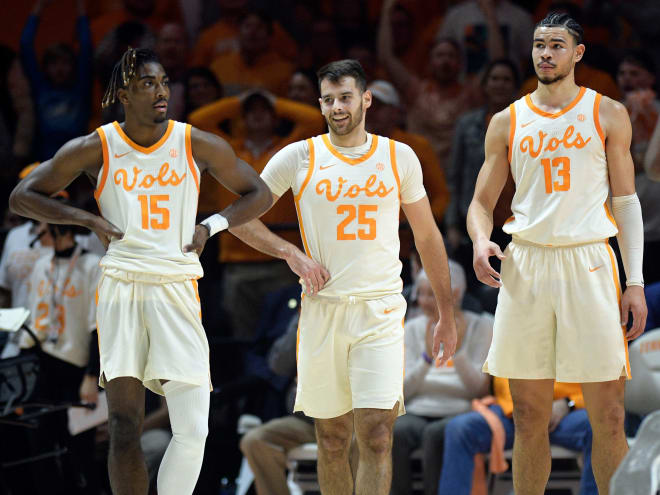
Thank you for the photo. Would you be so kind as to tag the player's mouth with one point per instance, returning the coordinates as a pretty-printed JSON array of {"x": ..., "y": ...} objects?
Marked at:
[
  {"x": 546, "y": 66},
  {"x": 340, "y": 119},
  {"x": 161, "y": 106}
]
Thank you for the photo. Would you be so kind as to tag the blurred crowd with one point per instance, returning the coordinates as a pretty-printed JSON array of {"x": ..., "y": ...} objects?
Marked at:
[{"x": 245, "y": 70}]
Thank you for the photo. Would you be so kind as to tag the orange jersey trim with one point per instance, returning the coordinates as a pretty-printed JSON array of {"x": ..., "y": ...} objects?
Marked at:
[
  {"x": 296, "y": 199},
  {"x": 189, "y": 156},
  {"x": 196, "y": 289},
  {"x": 395, "y": 170},
  {"x": 302, "y": 298},
  {"x": 535, "y": 109},
  {"x": 609, "y": 214},
  {"x": 350, "y": 161},
  {"x": 106, "y": 165},
  {"x": 597, "y": 118},
  {"x": 142, "y": 149},
  {"x": 512, "y": 128},
  {"x": 510, "y": 219},
  {"x": 618, "y": 297}
]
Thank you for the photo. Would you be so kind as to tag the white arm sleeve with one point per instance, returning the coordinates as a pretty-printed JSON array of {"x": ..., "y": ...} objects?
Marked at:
[{"x": 627, "y": 213}]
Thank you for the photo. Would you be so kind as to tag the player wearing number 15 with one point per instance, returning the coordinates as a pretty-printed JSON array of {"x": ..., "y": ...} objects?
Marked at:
[
  {"x": 147, "y": 173},
  {"x": 348, "y": 187},
  {"x": 560, "y": 309}
]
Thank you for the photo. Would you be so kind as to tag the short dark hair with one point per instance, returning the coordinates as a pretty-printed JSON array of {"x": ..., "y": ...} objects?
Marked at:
[
  {"x": 502, "y": 61},
  {"x": 263, "y": 15},
  {"x": 124, "y": 71},
  {"x": 641, "y": 58},
  {"x": 563, "y": 20},
  {"x": 349, "y": 67}
]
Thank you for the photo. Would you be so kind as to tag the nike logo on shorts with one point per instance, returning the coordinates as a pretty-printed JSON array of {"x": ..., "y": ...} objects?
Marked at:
[
  {"x": 596, "y": 268},
  {"x": 389, "y": 310}
]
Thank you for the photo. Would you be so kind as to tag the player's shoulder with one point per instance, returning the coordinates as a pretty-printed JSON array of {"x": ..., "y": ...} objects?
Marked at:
[
  {"x": 500, "y": 123},
  {"x": 611, "y": 107}
]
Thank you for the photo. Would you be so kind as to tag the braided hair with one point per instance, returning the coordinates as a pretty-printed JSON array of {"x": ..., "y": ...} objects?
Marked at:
[
  {"x": 124, "y": 71},
  {"x": 563, "y": 20}
]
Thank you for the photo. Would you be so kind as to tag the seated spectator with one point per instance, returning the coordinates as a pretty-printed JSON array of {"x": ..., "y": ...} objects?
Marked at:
[
  {"x": 201, "y": 87},
  {"x": 433, "y": 103},
  {"x": 303, "y": 88},
  {"x": 266, "y": 446},
  {"x": 172, "y": 50},
  {"x": 385, "y": 116},
  {"x": 500, "y": 85},
  {"x": 434, "y": 395},
  {"x": 61, "y": 300},
  {"x": 469, "y": 434},
  {"x": 222, "y": 36},
  {"x": 636, "y": 79},
  {"x": 254, "y": 62},
  {"x": 61, "y": 86},
  {"x": 487, "y": 30},
  {"x": 249, "y": 274}
]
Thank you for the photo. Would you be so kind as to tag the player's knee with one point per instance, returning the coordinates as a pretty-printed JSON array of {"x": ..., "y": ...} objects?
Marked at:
[
  {"x": 125, "y": 430},
  {"x": 378, "y": 441},
  {"x": 334, "y": 441},
  {"x": 608, "y": 419},
  {"x": 250, "y": 442},
  {"x": 529, "y": 418}
]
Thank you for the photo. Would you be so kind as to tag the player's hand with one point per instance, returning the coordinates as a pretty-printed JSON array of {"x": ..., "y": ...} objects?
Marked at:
[
  {"x": 634, "y": 302},
  {"x": 89, "y": 389},
  {"x": 312, "y": 275},
  {"x": 199, "y": 239},
  {"x": 445, "y": 334},
  {"x": 559, "y": 411},
  {"x": 483, "y": 270},
  {"x": 105, "y": 231}
]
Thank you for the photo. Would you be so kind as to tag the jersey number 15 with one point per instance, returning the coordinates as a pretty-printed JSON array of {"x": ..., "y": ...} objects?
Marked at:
[{"x": 154, "y": 216}]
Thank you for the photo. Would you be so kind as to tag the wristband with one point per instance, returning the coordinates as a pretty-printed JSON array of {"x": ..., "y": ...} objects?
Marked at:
[
  {"x": 570, "y": 403},
  {"x": 215, "y": 223},
  {"x": 427, "y": 358}
]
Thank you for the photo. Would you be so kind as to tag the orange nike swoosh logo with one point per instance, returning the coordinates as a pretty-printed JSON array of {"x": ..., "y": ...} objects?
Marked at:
[
  {"x": 594, "y": 269},
  {"x": 389, "y": 310},
  {"x": 123, "y": 154},
  {"x": 530, "y": 122},
  {"x": 327, "y": 166}
]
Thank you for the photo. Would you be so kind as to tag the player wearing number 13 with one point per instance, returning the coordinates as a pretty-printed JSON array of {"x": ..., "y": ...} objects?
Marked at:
[
  {"x": 560, "y": 309},
  {"x": 147, "y": 172}
]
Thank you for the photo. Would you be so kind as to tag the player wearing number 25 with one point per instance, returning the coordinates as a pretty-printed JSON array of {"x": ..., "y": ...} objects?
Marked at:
[
  {"x": 560, "y": 311},
  {"x": 348, "y": 187},
  {"x": 147, "y": 171}
]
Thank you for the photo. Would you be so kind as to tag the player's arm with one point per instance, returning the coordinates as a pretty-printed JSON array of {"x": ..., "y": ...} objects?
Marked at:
[
  {"x": 214, "y": 155},
  {"x": 431, "y": 249},
  {"x": 32, "y": 196},
  {"x": 626, "y": 210},
  {"x": 491, "y": 180}
]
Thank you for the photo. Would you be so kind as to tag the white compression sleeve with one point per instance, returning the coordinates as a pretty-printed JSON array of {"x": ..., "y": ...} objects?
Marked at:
[
  {"x": 188, "y": 407},
  {"x": 627, "y": 213}
]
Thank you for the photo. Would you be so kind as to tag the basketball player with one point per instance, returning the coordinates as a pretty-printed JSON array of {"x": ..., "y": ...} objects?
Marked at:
[
  {"x": 150, "y": 333},
  {"x": 560, "y": 313},
  {"x": 348, "y": 186}
]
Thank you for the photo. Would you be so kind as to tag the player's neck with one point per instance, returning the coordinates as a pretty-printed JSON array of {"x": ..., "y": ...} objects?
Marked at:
[
  {"x": 558, "y": 94},
  {"x": 356, "y": 137},
  {"x": 144, "y": 135}
]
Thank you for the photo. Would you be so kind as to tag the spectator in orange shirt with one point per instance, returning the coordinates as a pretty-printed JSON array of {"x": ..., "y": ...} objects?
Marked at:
[
  {"x": 223, "y": 35},
  {"x": 384, "y": 118},
  {"x": 469, "y": 434},
  {"x": 172, "y": 50},
  {"x": 434, "y": 103},
  {"x": 254, "y": 62},
  {"x": 249, "y": 274}
]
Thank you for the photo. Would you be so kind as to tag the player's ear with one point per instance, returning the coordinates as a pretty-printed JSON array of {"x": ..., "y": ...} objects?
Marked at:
[
  {"x": 579, "y": 52},
  {"x": 366, "y": 98},
  {"x": 122, "y": 95}
]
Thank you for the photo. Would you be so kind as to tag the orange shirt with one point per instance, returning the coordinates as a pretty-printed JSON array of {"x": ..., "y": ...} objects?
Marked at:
[
  {"x": 434, "y": 178},
  {"x": 572, "y": 391},
  {"x": 105, "y": 23},
  {"x": 585, "y": 75},
  {"x": 270, "y": 71},
  {"x": 222, "y": 37}
]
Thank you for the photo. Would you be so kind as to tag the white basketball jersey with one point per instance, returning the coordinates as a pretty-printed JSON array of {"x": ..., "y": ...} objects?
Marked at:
[
  {"x": 348, "y": 210},
  {"x": 559, "y": 165},
  {"x": 150, "y": 194}
]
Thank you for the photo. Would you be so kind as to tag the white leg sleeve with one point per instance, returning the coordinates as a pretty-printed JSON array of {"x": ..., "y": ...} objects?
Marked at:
[{"x": 188, "y": 407}]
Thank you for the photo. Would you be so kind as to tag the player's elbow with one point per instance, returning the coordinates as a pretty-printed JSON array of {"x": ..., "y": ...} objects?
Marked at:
[
  {"x": 17, "y": 199},
  {"x": 263, "y": 195}
]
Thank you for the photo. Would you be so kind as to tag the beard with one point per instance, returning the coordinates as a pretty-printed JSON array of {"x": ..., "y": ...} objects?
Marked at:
[
  {"x": 160, "y": 119},
  {"x": 353, "y": 121},
  {"x": 551, "y": 80}
]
